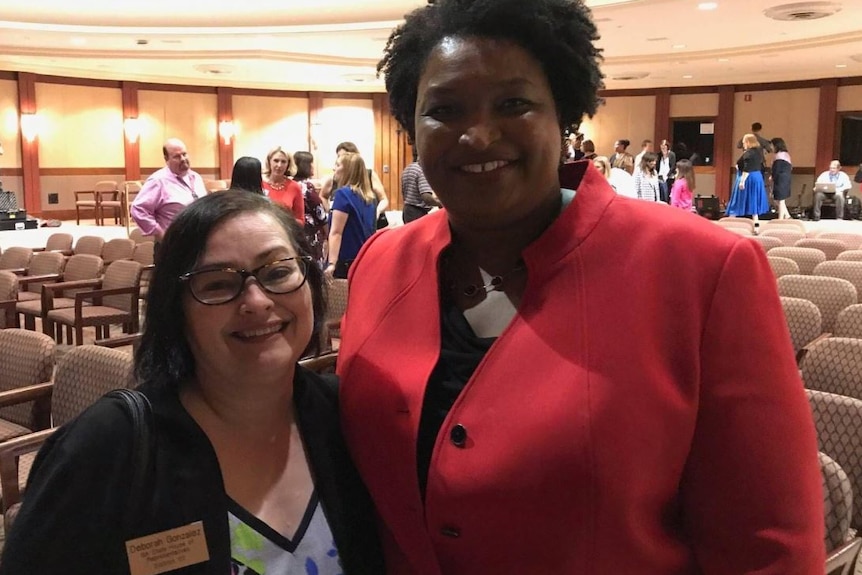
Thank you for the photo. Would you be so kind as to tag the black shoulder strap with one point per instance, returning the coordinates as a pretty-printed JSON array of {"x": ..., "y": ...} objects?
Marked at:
[{"x": 143, "y": 452}]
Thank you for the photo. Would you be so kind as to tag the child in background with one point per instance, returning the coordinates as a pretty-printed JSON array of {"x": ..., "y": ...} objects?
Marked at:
[{"x": 683, "y": 187}]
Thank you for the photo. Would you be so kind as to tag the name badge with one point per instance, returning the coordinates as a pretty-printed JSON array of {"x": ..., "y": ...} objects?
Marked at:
[{"x": 168, "y": 550}]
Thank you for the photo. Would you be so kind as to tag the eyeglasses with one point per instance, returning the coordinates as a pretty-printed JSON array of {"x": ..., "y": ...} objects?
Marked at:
[{"x": 214, "y": 287}]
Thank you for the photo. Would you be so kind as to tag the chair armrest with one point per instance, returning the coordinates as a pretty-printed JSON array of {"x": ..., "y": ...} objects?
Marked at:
[
  {"x": 320, "y": 364},
  {"x": 148, "y": 267},
  {"x": 25, "y": 394},
  {"x": 838, "y": 557},
  {"x": 26, "y": 280},
  {"x": 37, "y": 250},
  {"x": 80, "y": 193},
  {"x": 17, "y": 271},
  {"x": 120, "y": 341},
  {"x": 100, "y": 293},
  {"x": 10, "y": 451},
  {"x": 800, "y": 355},
  {"x": 59, "y": 288}
]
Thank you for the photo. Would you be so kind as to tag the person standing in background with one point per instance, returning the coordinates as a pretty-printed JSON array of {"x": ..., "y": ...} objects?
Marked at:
[
  {"x": 167, "y": 192},
  {"x": 331, "y": 184},
  {"x": 782, "y": 168},
  {"x": 246, "y": 175},
  {"x": 748, "y": 197},
  {"x": 316, "y": 220},
  {"x": 646, "y": 178},
  {"x": 279, "y": 187},
  {"x": 682, "y": 193},
  {"x": 666, "y": 167},
  {"x": 353, "y": 213},
  {"x": 419, "y": 198}
]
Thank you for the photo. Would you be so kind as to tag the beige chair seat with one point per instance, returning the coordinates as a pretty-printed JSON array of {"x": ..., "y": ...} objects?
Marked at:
[
  {"x": 8, "y": 430},
  {"x": 28, "y": 296},
  {"x": 92, "y": 315}
]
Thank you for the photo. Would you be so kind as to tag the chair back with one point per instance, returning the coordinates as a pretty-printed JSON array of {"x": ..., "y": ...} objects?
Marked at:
[
  {"x": 118, "y": 249},
  {"x": 838, "y": 419},
  {"x": 120, "y": 274},
  {"x": 782, "y": 266},
  {"x": 90, "y": 245},
  {"x": 82, "y": 267},
  {"x": 59, "y": 243},
  {"x": 849, "y": 322},
  {"x": 803, "y": 321},
  {"x": 834, "y": 365},
  {"x": 830, "y": 295},
  {"x": 806, "y": 258},
  {"x": 28, "y": 359},
  {"x": 15, "y": 258},
  {"x": 8, "y": 297},
  {"x": 767, "y": 242},
  {"x": 787, "y": 235},
  {"x": 84, "y": 374},
  {"x": 106, "y": 186},
  {"x": 137, "y": 236},
  {"x": 850, "y": 271},
  {"x": 734, "y": 222},
  {"x": 850, "y": 256},
  {"x": 786, "y": 223},
  {"x": 837, "y": 502},
  {"x": 144, "y": 253},
  {"x": 830, "y": 248},
  {"x": 851, "y": 240},
  {"x": 44, "y": 263}
]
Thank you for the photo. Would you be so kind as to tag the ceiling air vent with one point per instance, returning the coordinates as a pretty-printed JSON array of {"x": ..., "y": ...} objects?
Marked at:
[
  {"x": 801, "y": 11},
  {"x": 625, "y": 76},
  {"x": 214, "y": 69}
]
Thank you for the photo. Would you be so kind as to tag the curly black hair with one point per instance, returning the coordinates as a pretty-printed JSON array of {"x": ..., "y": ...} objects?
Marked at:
[{"x": 558, "y": 33}]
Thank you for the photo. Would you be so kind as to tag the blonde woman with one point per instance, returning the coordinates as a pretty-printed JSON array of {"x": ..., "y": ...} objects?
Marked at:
[
  {"x": 353, "y": 213},
  {"x": 278, "y": 186},
  {"x": 749, "y": 192}
]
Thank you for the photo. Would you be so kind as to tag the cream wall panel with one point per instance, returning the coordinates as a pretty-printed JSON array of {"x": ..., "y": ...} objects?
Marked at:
[
  {"x": 705, "y": 184},
  {"x": 850, "y": 99},
  {"x": 65, "y": 186},
  {"x": 344, "y": 120},
  {"x": 693, "y": 105},
  {"x": 80, "y": 126},
  {"x": 264, "y": 122},
  {"x": 191, "y": 117},
  {"x": 9, "y": 135},
  {"x": 789, "y": 114},
  {"x": 625, "y": 117}
]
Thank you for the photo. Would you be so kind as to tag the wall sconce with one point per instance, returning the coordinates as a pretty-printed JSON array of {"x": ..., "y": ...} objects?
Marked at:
[
  {"x": 227, "y": 130},
  {"x": 29, "y": 126},
  {"x": 132, "y": 128}
]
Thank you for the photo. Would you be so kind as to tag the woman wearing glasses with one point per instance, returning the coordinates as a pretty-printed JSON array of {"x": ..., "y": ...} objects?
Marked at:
[{"x": 250, "y": 474}]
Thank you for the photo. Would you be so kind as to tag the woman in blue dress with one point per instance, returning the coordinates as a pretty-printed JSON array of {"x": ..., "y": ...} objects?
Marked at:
[{"x": 749, "y": 192}]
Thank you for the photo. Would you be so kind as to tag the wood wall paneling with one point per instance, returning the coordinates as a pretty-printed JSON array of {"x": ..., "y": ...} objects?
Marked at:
[
  {"x": 723, "y": 143},
  {"x": 827, "y": 119},
  {"x": 29, "y": 149},
  {"x": 662, "y": 117}
]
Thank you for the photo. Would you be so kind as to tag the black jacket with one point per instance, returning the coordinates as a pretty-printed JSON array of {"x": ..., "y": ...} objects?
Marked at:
[{"x": 71, "y": 519}]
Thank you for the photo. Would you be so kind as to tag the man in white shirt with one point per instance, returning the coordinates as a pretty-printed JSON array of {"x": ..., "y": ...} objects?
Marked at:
[
  {"x": 833, "y": 175},
  {"x": 646, "y": 146}
]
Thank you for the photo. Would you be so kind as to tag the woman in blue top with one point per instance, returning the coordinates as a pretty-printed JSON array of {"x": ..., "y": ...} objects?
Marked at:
[{"x": 353, "y": 213}]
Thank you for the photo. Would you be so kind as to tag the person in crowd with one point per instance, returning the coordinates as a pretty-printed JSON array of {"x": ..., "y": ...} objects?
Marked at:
[
  {"x": 246, "y": 175},
  {"x": 316, "y": 218},
  {"x": 331, "y": 184},
  {"x": 589, "y": 150},
  {"x": 578, "y": 146},
  {"x": 621, "y": 158},
  {"x": 666, "y": 167},
  {"x": 353, "y": 213},
  {"x": 646, "y": 146},
  {"x": 620, "y": 180},
  {"x": 646, "y": 178},
  {"x": 684, "y": 186},
  {"x": 248, "y": 458},
  {"x": 782, "y": 168},
  {"x": 278, "y": 186},
  {"x": 519, "y": 391},
  {"x": 833, "y": 175},
  {"x": 419, "y": 198},
  {"x": 765, "y": 143},
  {"x": 748, "y": 197},
  {"x": 167, "y": 192}
]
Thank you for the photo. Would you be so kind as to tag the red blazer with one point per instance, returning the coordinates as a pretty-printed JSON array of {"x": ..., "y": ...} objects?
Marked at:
[
  {"x": 290, "y": 197},
  {"x": 642, "y": 414}
]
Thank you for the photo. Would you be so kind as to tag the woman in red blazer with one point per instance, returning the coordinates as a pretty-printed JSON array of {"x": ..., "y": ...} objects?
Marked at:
[{"x": 540, "y": 380}]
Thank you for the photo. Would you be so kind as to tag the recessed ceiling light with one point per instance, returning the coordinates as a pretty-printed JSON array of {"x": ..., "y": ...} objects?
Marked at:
[
  {"x": 688, "y": 76},
  {"x": 724, "y": 59},
  {"x": 77, "y": 40},
  {"x": 840, "y": 65},
  {"x": 707, "y": 6},
  {"x": 678, "y": 46}
]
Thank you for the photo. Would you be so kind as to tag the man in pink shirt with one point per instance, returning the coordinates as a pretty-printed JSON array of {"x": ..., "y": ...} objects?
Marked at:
[{"x": 167, "y": 191}]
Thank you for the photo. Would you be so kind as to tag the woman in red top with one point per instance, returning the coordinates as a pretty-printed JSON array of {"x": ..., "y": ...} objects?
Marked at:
[{"x": 281, "y": 189}]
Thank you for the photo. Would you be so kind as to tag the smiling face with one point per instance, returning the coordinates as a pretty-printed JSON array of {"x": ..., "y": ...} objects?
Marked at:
[
  {"x": 259, "y": 336},
  {"x": 487, "y": 131}
]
